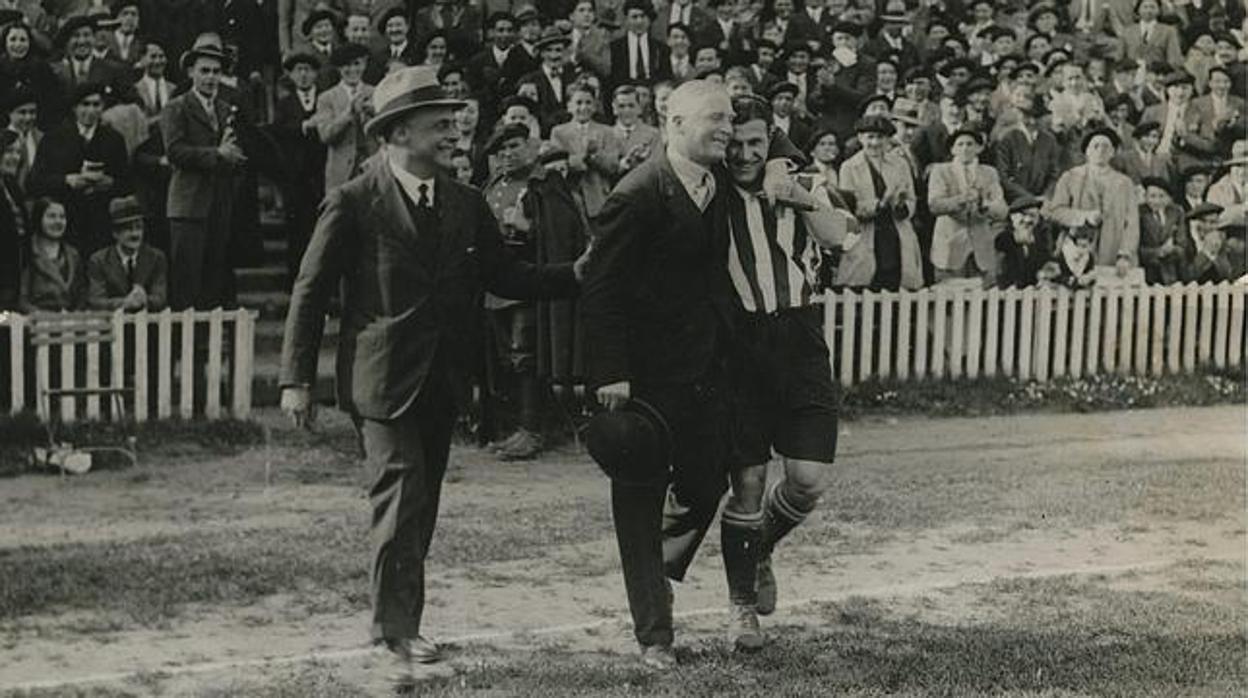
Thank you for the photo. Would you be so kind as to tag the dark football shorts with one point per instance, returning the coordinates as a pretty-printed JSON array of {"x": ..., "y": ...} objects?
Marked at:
[{"x": 781, "y": 389}]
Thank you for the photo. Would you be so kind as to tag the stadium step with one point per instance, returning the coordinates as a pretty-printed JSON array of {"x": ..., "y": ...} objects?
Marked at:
[
  {"x": 269, "y": 335},
  {"x": 266, "y": 389}
]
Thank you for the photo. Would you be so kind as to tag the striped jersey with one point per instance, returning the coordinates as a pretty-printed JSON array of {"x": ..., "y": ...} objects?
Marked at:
[{"x": 772, "y": 260}]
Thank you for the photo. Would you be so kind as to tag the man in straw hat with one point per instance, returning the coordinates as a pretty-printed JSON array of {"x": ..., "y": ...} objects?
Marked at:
[
  {"x": 206, "y": 158},
  {"x": 412, "y": 249}
]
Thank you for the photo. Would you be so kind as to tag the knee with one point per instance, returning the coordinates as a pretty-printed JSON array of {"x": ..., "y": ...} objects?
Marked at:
[
  {"x": 747, "y": 491},
  {"x": 805, "y": 482}
]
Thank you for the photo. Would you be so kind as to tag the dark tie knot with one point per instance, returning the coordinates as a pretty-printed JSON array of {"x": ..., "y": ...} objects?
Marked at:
[{"x": 422, "y": 200}]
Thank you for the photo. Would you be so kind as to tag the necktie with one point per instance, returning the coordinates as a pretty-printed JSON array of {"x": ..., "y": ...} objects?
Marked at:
[
  {"x": 422, "y": 202},
  {"x": 639, "y": 69},
  {"x": 211, "y": 108},
  {"x": 706, "y": 191},
  {"x": 1144, "y": 32},
  {"x": 80, "y": 70},
  {"x": 130, "y": 270}
]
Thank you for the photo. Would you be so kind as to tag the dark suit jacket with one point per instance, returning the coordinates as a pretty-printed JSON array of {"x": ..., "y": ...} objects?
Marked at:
[
  {"x": 62, "y": 152},
  {"x": 1027, "y": 168},
  {"x": 377, "y": 62},
  {"x": 407, "y": 294},
  {"x": 1153, "y": 234},
  {"x": 11, "y": 243},
  {"x": 303, "y": 154},
  {"x": 657, "y": 300},
  {"x": 108, "y": 284},
  {"x": 550, "y": 110},
  {"x": 519, "y": 63},
  {"x": 660, "y": 61},
  {"x": 201, "y": 179}
]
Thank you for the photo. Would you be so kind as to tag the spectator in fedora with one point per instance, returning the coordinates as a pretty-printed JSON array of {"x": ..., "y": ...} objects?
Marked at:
[
  {"x": 206, "y": 158},
  {"x": 303, "y": 180},
  {"x": 341, "y": 112},
  {"x": 84, "y": 164},
  {"x": 129, "y": 274},
  {"x": 80, "y": 65}
]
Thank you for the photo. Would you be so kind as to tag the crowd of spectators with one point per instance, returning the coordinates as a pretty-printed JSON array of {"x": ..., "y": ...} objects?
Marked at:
[{"x": 993, "y": 142}]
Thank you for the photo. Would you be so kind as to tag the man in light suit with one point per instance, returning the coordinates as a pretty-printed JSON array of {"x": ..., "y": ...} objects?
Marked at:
[
  {"x": 411, "y": 251},
  {"x": 1150, "y": 40},
  {"x": 154, "y": 89},
  {"x": 1221, "y": 113},
  {"x": 130, "y": 274},
  {"x": 203, "y": 150},
  {"x": 593, "y": 150},
  {"x": 637, "y": 139},
  {"x": 1180, "y": 121},
  {"x": 969, "y": 205},
  {"x": 341, "y": 113}
]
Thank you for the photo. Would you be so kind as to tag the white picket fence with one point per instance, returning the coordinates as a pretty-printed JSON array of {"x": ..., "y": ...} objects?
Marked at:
[
  {"x": 184, "y": 364},
  {"x": 1033, "y": 333}
]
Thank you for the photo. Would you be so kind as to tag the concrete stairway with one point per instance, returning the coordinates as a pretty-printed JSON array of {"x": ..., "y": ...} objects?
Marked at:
[{"x": 264, "y": 289}]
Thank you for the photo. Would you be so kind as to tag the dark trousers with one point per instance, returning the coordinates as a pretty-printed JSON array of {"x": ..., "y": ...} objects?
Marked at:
[
  {"x": 200, "y": 275},
  {"x": 407, "y": 458},
  {"x": 697, "y": 416}
]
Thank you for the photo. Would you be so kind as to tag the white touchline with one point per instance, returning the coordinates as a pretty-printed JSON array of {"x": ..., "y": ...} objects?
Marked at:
[{"x": 350, "y": 653}]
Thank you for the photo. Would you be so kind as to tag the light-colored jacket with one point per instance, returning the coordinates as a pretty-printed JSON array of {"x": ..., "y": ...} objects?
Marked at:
[
  {"x": 343, "y": 134},
  {"x": 857, "y": 266},
  {"x": 594, "y": 180},
  {"x": 1118, "y": 204},
  {"x": 956, "y": 235}
]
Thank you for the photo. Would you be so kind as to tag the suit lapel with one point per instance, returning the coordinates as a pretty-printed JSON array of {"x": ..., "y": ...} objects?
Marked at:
[
  {"x": 391, "y": 213},
  {"x": 198, "y": 111}
]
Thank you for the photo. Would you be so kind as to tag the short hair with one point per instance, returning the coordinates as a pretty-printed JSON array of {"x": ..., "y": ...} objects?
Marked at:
[
  {"x": 497, "y": 17},
  {"x": 40, "y": 207},
  {"x": 689, "y": 95},
  {"x": 582, "y": 86},
  {"x": 625, "y": 91},
  {"x": 747, "y": 108}
]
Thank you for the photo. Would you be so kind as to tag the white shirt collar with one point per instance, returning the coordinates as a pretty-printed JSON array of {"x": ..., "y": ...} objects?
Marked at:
[
  {"x": 87, "y": 133},
  {"x": 691, "y": 174},
  {"x": 411, "y": 183},
  {"x": 782, "y": 122},
  {"x": 132, "y": 257},
  {"x": 209, "y": 105},
  {"x": 398, "y": 49}
]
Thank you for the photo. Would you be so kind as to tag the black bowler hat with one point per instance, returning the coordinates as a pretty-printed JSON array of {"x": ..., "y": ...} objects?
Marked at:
[
  {"x": 632, "y": 444},
  {"x": 1114, "y": 139},
  {"x": 346, "y": 53},
  {"x": 301, "y": 58}
]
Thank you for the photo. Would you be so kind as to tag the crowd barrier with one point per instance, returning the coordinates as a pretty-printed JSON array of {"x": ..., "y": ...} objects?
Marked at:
[
  {"x": 1033, "y": 333},
  {"x": 170, "y": 364}
]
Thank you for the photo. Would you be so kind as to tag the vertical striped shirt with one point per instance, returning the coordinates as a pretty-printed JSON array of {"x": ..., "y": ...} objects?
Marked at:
[{"x": 772, "y": 260}]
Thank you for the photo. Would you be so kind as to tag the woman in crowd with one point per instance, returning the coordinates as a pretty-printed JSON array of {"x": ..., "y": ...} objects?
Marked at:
[
  {"x": 435, "y": 49},
  {"x": 53, "y": 278},
  {"x": 22, "y": 64}
]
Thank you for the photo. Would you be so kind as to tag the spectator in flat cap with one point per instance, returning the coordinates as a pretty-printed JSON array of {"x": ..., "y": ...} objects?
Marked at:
[
  {"x": 1139, "y": 159},
  {"x": 524, "y": 59},
  {"x": 395, "y": 28},
  {"x": 79, "y": 66},
  {"x": 128, "y": 274},
  {"x": 785, "y": 117},
  {"x": 792, "y": 26},
  {"x": 1149, "y": 39},
  {"x": 1180, "y": 122},
  {"x": 1025, "y": 246},
  {"x": 1162, "y": 229},
  {"x": 969, "y": 205},
  {"x": 320, "y": 31},
  {"x": 341, "y": 112},
  {"x": 679, "y": 59},
  {"x": 637, "y": 56},
  {"x": 460, "y": 20},
  {"x": 125, "y": 46},
  {"x": 1194, "y": 180},
  {"x": 891, "y": 39},
  {"x": 1028, "y": 156},
  {"x": 1097, "y": 196},
  {"x": 84, "y": 164},
  {"x": 1231, "y": 190},
  {"x": 553, "y": 78},
  {"x": 887, "y": 256},
  {"x": 1208, "y": 253},
  {"x": 1124, "y": 81},
  {"x": 303, "y": 155}
]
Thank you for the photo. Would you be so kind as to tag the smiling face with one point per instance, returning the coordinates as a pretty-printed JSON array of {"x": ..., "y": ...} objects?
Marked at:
[
  {"x": 582, "y": 105},
  {"x": 466, "y": 119},
  {"x": 1099, "y": 151},
  {"x": 53, "y": 223},
  {"x": 11, "y": 159},
  {"x": 358, "y": 30},
  {"x": 626, "y": 108},
  {"x": 965, "y": 149},
  {"x": 700, "y": 124},
  {"x": 678, "y": 42},
  {"x": 637, "y": 21},
  {"x": 1219, "y": 84},
  {"x": 304, "y": 76},
  {"x": 155, "y": 60},
  {"x": 17, "y": 42},
  {"x": 435, "y": 51},
  {"x": 504, "y": 34},
  {"x": 1148, "y": 10},
  {"x": 323, "y": 32},
  {"x": 886, "y": 77},
  {"x": 80, "y": 43},
  {"x": 129, "y": 235},
  {"x": 87, "y": 111},
  {"x": 1156, "y": 197},
  {"x": 396, "y": 30},
  {"x": 353, "y": 72},
  {"x": 426, "y": 139},
  {"x": 747, "y": 153},
  {"x": 827, "y": 149}
]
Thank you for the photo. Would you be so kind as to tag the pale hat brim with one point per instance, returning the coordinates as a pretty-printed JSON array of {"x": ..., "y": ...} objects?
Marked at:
[{"x": 393, "y": 112}]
